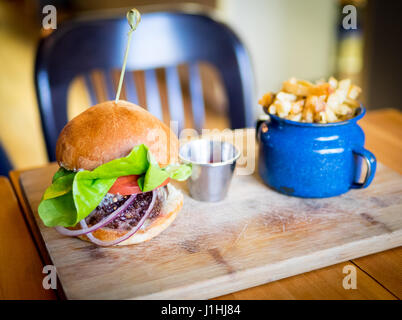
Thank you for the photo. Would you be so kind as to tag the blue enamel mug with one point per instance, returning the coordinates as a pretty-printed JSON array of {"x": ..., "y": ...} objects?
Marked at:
[{"x": 313, "y": 160}]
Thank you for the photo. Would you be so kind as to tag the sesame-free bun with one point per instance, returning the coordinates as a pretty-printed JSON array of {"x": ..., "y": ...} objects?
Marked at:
[
  {"x": 110, "y": 130},
  {"x": 151, "y": 228}
]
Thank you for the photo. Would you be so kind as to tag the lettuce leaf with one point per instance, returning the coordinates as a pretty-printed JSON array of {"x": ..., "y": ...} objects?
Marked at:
[
  {"x": 74, "y": 195},
  {"x": 61, "y": 184},
  {"x": 179, "y": 172},
  {"x": 58, "y": 211}
]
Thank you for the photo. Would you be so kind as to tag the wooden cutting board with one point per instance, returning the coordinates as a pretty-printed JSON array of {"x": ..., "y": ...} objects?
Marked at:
[{"x": 254, "y": 236}]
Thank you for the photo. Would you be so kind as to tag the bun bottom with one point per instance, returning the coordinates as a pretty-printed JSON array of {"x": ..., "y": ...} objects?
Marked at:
[{"x": 151, "y": 228}]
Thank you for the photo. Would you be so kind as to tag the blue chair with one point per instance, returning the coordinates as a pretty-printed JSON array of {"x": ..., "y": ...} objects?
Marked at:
[
  {"x": 5, "y": 165},
  {"x": 162, "y": 40}
]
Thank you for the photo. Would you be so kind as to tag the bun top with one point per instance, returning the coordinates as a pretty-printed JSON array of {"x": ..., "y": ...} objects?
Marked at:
[{"x": 109, "y": 131}]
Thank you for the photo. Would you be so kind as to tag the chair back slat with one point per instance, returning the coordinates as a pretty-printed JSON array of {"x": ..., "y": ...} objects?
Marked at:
[
  {"x": 196, "y": 94},
  {"x": 152, "y": 94},
  {"x": 90, "y": 88},
  {"x": 175, "y": 97},
  {"x": 130, "y": 87},
  {"x": 110, "y": 88}
]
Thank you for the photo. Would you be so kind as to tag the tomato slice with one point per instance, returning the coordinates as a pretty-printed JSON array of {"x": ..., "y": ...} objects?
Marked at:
[{"x": 127, "y": 185}]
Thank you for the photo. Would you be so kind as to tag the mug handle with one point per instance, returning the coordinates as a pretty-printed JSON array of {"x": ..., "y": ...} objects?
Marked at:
[{"x": 371, "y": 167}]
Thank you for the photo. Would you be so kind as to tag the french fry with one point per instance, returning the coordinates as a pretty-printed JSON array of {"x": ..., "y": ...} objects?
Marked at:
[
  {"x": 354, "y": 92},
  {"x": 297, "y": 106},
  {"x": 322, "y": 102},
  {"x": 330, "y": 116},
  {"x": 272, "y": 109},
  {"x": 352, "y": 103},
  {"x": 315, "y": 103},
  {"x": 344, "y": 110},
  {"x": 302, "y": 82},
  {"x": 307, "y": 115},
  {"x": 333, "y": 82},
  {"x": 266, "y": 99},
  {"x": 343, "y": 88},
  {"x": 338, "y": 97},
  {"x": 320, "y": 117},
  {"x": 294, "y": 117},
  {"x": 305, "y": 88},
  {"x": 283, "y": 108},
  {"x": 283, "y": 96}
]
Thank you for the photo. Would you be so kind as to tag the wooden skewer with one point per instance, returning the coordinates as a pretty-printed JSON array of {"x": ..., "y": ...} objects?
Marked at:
[{"x": 133, "y": 18}]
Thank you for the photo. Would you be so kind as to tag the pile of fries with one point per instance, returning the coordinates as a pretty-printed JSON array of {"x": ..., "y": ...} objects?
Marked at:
[{"x": 322, "y": 102}]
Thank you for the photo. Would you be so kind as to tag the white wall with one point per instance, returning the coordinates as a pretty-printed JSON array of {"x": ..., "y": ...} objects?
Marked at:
[{"x": 284, "y": 37}]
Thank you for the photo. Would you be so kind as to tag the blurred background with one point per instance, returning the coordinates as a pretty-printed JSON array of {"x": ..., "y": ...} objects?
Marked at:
[{"x": 284, "y": 38}]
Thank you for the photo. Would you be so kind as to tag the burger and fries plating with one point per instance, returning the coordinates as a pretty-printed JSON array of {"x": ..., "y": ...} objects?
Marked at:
[{"x": 113, "y": 185}]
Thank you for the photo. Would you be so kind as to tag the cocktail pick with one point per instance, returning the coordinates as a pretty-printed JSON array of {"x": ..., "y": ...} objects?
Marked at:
[{"x": 133, "y": 18}]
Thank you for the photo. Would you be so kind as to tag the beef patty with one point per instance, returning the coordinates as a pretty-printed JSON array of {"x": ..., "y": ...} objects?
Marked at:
[{"x": 130, "y": 217}]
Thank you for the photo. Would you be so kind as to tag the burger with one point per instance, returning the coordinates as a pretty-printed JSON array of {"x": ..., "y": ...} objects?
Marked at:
[{"x": 113, "y": 185}]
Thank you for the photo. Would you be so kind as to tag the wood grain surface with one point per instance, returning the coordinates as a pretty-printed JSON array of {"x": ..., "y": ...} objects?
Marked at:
[
  {"x": 216, "y": 248},
  {"x": 325, "y": 283}
]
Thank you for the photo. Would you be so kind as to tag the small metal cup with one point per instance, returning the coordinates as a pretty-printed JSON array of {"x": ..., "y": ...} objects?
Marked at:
[{"x": 213, "y": 164}]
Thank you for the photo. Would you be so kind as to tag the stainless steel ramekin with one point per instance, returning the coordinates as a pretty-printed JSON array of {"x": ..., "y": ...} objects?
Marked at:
[{"x": 213, "y": 163}]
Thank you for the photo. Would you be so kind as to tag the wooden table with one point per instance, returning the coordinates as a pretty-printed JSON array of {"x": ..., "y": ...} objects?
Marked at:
[
  {"x": 20, "y": 265},
  {"x": 379, "y": 276}
]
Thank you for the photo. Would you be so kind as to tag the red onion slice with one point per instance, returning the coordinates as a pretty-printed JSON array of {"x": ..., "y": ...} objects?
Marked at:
[
  {"x": 100, "y": 224},
  {"x": 125, "y": 236}
]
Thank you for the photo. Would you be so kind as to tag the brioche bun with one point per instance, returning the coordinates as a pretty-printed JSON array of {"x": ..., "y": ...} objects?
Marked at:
[
  {"x": 109, "y": 131},
  {"x": 151, "y": 228}
]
